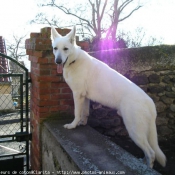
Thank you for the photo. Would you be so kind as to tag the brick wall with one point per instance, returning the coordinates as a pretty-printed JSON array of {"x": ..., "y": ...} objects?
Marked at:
[{"x": 49, "y": 92}]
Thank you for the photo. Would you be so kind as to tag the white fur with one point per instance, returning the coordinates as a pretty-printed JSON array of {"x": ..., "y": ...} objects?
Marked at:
[{"x": 92, "y": 79}]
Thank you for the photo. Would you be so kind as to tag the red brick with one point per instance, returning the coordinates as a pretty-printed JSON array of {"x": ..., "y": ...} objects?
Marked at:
[
  {"x": 36, "y": 53},
  {"x": 47, "y": 66},
  {"x": 44, "y": 109},
  {"x": 38, "y": 44},
  {"x": 33, "y": 59},
  {"x": 37, "y": 59},
  {"x": 34, "y": 72},
  {"x": 44, "y": 91},
  {"x": 53, "y": 66},
  {"x": 54, "y": 72},
  {"x": 34, "y": 65},
  {"x": 44, "y": 97},
  {"x": 59, "y": 85},
  {"x": 46, "y": 32},
  {"x": 61, "y": 96},
  {"x": 46, "y": 78},
  {"x": 35, "y": 137},
  {"x": 66, "y": 90},
  {"x": 47, "y": 102},
  {"x": 35, "y": 35},
  {"x": 55, "y": 90},
  {"x": 28, "y": 44},
  {"x": 42, "y": 60},
  {"x": 46, "y": 115},
  {"x": 51, "y": 60},
  {"x": 29, "y": 52},
  {"x": 59, "y": 108},
  {"x": 43, "y": 85},
  {"x": 67, "y": 102},
  {"x": 35, "y": 161},
  {"x": 45, "y": 42},
  {"x": 54, "y": 108},
  {"x": 63, "y": 107},
  {"x": 44, "y": 72}
]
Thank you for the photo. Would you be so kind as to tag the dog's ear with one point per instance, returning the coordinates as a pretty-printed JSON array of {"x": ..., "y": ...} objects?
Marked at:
[
  {"x": 54, "y": 33},
  {"x": 71, "y": 35}
]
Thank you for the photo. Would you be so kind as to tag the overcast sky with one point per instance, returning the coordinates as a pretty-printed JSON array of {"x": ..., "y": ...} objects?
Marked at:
[{"x": 157, "y": 17}]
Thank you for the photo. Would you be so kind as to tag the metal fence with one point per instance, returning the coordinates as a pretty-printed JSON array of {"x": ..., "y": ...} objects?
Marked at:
[{"x": 14, "y": 117}]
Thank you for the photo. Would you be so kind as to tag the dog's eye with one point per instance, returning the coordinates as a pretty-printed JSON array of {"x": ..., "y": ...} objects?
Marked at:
[
  {"x": 65, "y": 48},
  {"x": 55, "y": 48}
]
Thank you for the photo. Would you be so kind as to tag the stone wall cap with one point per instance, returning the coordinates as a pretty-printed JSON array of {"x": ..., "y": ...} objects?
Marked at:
[{"x": 92, "y": 151}]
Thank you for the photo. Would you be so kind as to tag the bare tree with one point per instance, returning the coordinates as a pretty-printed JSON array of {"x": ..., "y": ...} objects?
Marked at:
[
  {"x": 15, "y": 47},
  {"x": 16, "y": 50},
  {"x": 116, "y": 15},
  {"x": 103, "y": 19}
]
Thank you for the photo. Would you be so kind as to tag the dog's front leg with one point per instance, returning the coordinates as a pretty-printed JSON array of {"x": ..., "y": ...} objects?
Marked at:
[
  {"x": 78, "y": 103},
  {"x": 85, "y": 112}
]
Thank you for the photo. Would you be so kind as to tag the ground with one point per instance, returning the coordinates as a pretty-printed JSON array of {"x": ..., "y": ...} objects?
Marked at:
[{"x": 168, "y": 147}]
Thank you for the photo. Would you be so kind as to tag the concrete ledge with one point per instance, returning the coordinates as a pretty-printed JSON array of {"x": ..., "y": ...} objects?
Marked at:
[{"x": 86, "y": 151}]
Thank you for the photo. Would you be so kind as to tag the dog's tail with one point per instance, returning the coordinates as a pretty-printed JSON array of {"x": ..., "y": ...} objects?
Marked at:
[{"x": 160, "y": 157}]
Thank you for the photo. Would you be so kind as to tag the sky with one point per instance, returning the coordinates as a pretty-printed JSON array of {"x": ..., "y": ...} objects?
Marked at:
[{"x": 157, "y": 17}]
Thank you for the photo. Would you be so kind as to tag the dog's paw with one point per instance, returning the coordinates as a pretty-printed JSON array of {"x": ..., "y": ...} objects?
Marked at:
[
  {"x": 69, "y": 126},
  {"x": 82, "y": 122}
]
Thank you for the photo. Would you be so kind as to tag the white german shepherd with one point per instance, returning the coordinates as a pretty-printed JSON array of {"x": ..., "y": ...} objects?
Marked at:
[{"x": 92, "y": 79}]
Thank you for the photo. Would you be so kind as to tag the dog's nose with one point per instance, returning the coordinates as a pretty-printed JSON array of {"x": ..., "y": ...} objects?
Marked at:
[{"x": 58, "y": 61}]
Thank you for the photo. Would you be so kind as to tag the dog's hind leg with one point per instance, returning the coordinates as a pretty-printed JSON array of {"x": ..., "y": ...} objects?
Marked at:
[
  {"x": 137, "y": 119},
  {"x": 148, "y": 151},
  {"x": 140, "y": 139},
  {"x": 152, "y": 138},
  {"x": 78, "y": 103},
  {"x": 85, "y": 112}
]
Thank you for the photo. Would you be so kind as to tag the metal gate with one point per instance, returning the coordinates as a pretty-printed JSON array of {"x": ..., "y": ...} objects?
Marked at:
[{"x": 14, "y": 117}]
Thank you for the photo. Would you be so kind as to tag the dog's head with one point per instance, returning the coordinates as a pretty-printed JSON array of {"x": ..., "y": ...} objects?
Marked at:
[{"x": 63, "y": 46}]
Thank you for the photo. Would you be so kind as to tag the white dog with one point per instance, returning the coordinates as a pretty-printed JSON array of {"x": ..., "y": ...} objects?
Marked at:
[{"x": 91, "y": 79}]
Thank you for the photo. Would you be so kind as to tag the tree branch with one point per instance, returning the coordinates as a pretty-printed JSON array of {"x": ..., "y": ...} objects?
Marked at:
[
  {"x": 66, "y": 11},
  {"x": 129, "y": 14},
  {"x": 15, "y": 50},
  {"x": 102, "y": 13},
  {"x": 93, "y": 17},
  {"x": 124, "y": 4}
]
